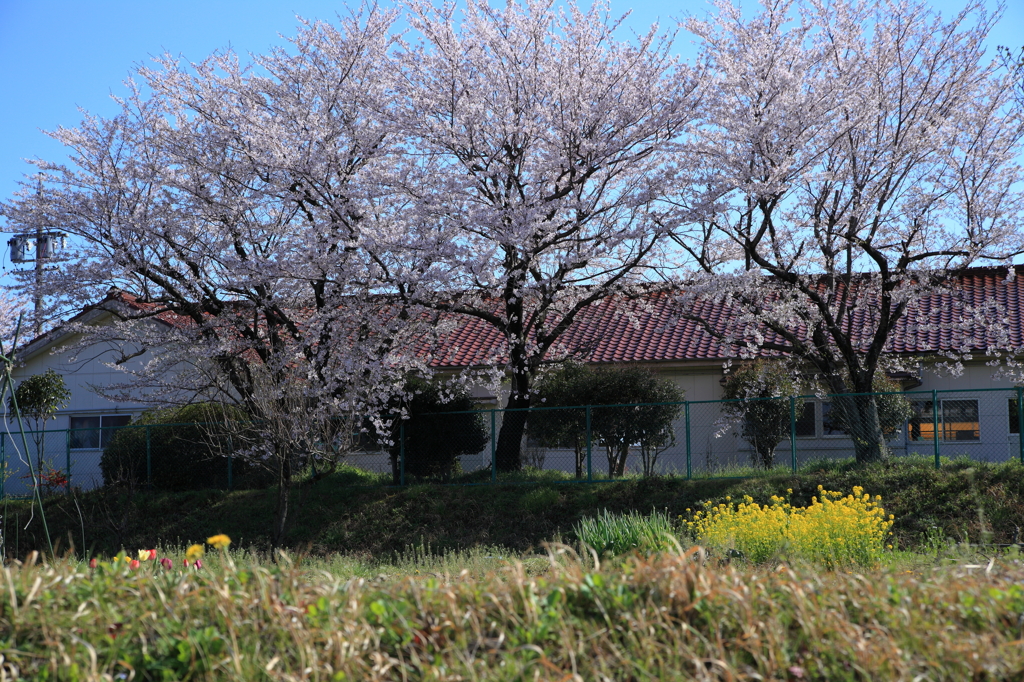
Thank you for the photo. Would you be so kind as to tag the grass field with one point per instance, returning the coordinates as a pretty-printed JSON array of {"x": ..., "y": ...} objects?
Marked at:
[
  {"x": 479, "y": 616},
  {"x": 637, "y": 602}
]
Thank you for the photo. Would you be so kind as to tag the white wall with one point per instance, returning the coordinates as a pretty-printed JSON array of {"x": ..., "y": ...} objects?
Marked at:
[
  {"x": 80, "y": 377},
  {"x": 715, "y": 444}
]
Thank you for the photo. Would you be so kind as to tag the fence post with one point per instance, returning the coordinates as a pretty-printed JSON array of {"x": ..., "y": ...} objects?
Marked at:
[
  {"x": 935, "y": 425},
  {"x": 149, "y": 460},
  {"x": 3, "y": 465},
  {"x": 494, "y": 448},
  {"x": 792, "y": 432},
  {"x": 67, "y": 452},
  {"x": 590, "y": 471},
  {"x": 401, "y": 453},
  {"x": 231, "y": 467},
  {"x": 686, "y": 412},
  {"x": 1020, "y": 421}
]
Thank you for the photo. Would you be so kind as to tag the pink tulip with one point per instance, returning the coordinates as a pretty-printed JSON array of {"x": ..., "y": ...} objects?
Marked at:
[
  {"x": 198, "y": 564},
  {"x": 92, "y": 563},
  {"x": 166, "y": 563},
  {"x": 133, "y": 564}
]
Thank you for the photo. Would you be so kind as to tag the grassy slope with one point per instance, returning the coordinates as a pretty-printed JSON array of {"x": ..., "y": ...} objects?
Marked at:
[
  {"x": 329, "y": 515},
  {"x": 665, "y": 617}
]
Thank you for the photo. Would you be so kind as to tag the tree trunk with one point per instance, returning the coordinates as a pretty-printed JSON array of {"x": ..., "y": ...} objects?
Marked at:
[
  {"x": 617, "y": 455},
  {"x": 396, "y": 472},
  {"x": 513, "y": 424},
  {"x": 620, "y": 465},
  {"x": 766, "y": 455},
  {"x": 284, "y": 485},
  {"x": 860, "y": 417},
  {"x": 396, "y": 454}
]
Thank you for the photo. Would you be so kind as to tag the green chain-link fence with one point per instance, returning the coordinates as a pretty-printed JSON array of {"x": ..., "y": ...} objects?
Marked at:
[{"x": 691, "y": 439}]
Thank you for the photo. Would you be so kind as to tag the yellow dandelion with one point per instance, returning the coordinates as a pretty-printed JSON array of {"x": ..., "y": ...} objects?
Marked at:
[
  {"x": 219, "y": 541},
  {"x": 194, "y": 552}
]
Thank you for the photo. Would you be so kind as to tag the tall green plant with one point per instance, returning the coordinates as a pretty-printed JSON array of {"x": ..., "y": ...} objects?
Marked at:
[
  {"x": 40, "y": 397},
  {"x": 616, "y": 534},
  {"x": 7, "y": 384}
]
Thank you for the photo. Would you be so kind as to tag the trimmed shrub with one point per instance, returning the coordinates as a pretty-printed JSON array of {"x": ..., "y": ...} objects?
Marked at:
[
  {"x": 763, "y": 388},
  {"x": 434, "y": 439},
  {"x": 187, "y": 449},
  {"x": 618, "y": 428}
]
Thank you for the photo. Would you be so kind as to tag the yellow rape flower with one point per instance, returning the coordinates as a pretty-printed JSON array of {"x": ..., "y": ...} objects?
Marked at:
[{"x": 834, "y": 530}]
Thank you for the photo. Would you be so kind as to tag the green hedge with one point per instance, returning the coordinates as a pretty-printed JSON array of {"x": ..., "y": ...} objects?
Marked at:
[{"x": 188, "y": 449}]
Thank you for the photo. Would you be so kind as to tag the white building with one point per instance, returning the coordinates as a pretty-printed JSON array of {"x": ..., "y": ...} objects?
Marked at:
[{"x": 976, "y": 415}]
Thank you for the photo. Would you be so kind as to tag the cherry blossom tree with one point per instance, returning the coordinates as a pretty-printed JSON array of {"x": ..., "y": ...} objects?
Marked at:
[
  {"x": 301, "y": 223},
  {"x": 539, "y": 150},
  {"x": 12, "y": 307},
  {"x": 857, "y": 158},
  {"x": 1014, "y": 62},
  {"x": 240, "y": 205}
]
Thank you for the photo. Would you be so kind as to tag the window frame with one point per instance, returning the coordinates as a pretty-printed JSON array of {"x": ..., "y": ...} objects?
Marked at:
[
  {"x": 977, "y": 422},
  {"x": 101, "y": 433},
  {"x": 839, "y": 434},
  {"x": 813, "y": 405},
  {"x": 942, "y": 421}
]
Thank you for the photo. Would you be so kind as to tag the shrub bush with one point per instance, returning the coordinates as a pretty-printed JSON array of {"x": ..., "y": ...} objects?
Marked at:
[
  {"x": 763, "y": 389},
  {"x": 618, "y": 428},
  {"x": 187, "y": 449},
  {"x": 435, "y": 439}
]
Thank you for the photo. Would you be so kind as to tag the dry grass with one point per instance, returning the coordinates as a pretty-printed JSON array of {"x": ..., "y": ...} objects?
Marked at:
[{"x": 668, "y": 616}]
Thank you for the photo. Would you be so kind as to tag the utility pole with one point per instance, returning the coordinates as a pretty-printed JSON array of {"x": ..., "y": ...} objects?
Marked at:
[
  {"x": 37, "y": 291},
  {"x": 46, "y": 244}
]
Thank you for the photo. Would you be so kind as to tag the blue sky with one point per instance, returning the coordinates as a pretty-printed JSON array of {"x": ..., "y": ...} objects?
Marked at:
[{"x": 58, "y": 55}]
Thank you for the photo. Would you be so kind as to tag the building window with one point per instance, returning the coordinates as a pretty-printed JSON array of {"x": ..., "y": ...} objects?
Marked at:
[
  {"x": 958, "y": 420},
  {"x": 921, "y": 426},
  {"x": 831, "y": 424},
  {"x": 806, "y": 422},
  {"x": 93, "y": 433}
]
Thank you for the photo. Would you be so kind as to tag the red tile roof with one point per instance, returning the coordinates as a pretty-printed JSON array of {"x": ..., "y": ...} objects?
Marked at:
[{"x": 652, "y": 329}]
